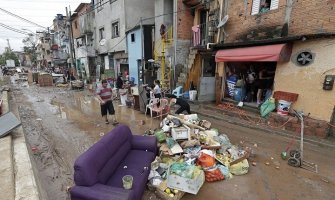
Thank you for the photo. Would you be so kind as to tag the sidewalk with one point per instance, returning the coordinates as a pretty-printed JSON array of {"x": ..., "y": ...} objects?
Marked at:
[
  {"x": 251, "y": 119},
  {"x": 17, "y": 178}
]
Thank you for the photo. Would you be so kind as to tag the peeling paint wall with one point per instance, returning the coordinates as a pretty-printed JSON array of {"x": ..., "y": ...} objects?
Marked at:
[{"x": 308, "y": 81}]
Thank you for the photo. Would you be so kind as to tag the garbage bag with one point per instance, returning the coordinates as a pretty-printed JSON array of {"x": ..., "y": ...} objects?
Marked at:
[
  {"x": 240, "y": 168},
  {"x": 213, "y": 174},
  {"x": 205, "y": 160},
  {"x": 160, "y": 135},
  {"x": 267, "y": 107},
  {"x": 176, "y": 122},
  {"x": 225, "y": 171}
]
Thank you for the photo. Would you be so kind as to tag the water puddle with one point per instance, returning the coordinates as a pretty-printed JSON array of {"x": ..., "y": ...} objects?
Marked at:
[{"x": 85, "y": 113}]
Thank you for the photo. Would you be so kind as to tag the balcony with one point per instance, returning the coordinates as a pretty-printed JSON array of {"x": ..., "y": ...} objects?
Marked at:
[
  {"x": 200, "y": 36},
  {"x": 86, "y": 23}
]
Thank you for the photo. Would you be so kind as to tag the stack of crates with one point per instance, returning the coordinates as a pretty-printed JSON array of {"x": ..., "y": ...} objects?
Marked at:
[{"x": 45, "y": 80}]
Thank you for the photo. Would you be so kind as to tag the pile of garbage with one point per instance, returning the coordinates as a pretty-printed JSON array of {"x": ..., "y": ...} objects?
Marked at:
[{"x": 190, "y": 153}]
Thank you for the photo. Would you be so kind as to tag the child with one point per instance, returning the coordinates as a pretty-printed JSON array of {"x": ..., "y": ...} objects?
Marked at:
[
  {"x": 157, "y": 89},
  {"x": 105, "y": 95}
]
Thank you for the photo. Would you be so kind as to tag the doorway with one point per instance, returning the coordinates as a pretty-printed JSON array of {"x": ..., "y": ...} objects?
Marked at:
[{"x": 250, "y": 82}]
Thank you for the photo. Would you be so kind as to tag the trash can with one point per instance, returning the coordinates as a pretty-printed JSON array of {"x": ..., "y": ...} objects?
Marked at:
[
  {"x": 283, "y": 107},
  {"x": 123, "y": 96},
  {"x": 193, "y": 95}
]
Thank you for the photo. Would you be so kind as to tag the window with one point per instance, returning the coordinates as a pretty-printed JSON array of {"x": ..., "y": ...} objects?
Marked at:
[
  {"x": 132, "y": 36},
  {"x": 115, "y": 30},
  {"x": 100, "y": 5},
  {"x": 263, "y": 6},
  {"x": 102, "y": 33}
]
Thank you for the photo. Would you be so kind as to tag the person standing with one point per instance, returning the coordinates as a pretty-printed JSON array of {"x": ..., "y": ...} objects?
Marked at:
[
  {"x": 157, "y": 89},
  {"x": 105, "y": 94},
  {"x": 265, "y": 81}
]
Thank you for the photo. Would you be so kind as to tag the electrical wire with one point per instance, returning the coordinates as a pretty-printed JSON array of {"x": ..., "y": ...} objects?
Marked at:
[
  {"x": 14, "y": 29},
  {"x": 26, "y": 20}
]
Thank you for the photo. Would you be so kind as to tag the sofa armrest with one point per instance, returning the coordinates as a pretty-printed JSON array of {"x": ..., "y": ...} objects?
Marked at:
[
  {"x": 144, "y": 143},
  {"x": 100, "y": 192}
]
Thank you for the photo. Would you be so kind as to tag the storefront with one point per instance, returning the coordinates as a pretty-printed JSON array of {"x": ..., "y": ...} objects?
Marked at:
[{"x": 248, "y": 73}]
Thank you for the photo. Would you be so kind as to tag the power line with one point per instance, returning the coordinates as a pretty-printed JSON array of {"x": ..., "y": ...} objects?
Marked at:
[
  {"x": 13, "y": 29},
  {"x": 26, "y": 20}
]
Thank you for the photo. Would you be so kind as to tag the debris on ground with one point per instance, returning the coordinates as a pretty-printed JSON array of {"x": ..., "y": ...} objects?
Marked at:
[{"x": 192, "y": 152}]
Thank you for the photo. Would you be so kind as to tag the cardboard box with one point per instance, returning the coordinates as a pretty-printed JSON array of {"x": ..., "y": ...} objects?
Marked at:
[
  {"x": 185, "y": 184},
  {"x": 180, "y": 133},
  {"x": 160, "y": 192}
]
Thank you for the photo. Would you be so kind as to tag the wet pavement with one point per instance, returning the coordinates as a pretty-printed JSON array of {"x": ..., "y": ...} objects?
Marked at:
[{"x": 60, "y": 124}]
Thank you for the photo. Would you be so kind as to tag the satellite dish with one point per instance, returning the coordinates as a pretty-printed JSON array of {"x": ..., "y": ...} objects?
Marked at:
[
  {"x": 223, "y": 22},
  {"x": 102, "y": 42}
]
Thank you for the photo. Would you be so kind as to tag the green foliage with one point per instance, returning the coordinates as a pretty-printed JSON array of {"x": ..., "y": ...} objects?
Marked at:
[
  {"x": 30, "y": 47},
  {"x": 9, "y": 55}
]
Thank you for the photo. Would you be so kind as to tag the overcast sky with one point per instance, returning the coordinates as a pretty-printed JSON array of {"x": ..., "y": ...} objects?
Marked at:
[{"x": 41, "y": 12}]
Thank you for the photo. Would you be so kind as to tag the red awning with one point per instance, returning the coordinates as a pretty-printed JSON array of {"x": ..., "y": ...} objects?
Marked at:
[{"x": 277, "y": 52}]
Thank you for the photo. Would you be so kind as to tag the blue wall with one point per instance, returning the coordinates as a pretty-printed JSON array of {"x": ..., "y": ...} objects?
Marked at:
[{"x": 134, "y": 53}]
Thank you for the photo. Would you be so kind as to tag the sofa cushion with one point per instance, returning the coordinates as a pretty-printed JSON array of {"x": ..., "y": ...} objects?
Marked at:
[
  {"x": 137, "y": 160},
  {"x": 100, "y": 192},
  {"x": 100, "y": 161},
  {"x": 113, "y": 162}
]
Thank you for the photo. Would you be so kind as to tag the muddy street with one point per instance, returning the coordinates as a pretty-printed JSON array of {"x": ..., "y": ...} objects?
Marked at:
[{"x": 60, "y": 124}]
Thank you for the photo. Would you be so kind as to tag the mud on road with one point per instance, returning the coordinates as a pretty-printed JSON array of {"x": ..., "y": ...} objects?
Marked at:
[{"x": 60, "y": 124}]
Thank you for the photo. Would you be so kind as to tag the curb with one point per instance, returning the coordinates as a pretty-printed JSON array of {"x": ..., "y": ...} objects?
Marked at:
[
  {"x": 7, "y": 177},
  {"x": 265, "y": 129}
]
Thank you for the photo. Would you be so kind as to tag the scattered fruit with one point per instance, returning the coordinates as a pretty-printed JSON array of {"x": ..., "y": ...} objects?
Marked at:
[
  {"x": 175, "y": 191},
  {"x": 167, "y": 190},
  {"x": 254, "y": 163},
  {"x": 267, "y": 163},
  {"x": 171, "y": 195},
  {"x": 277, "y": 167}
]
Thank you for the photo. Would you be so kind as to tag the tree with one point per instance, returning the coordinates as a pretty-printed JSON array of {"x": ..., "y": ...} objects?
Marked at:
[
  {"x": 30, "y": 47},
  {"x": 9, "y": 55}
]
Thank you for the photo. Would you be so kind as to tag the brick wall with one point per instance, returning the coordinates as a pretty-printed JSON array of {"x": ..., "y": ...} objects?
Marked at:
[
  {"x": 243, "y": 26},
  {"x": 184, "y": 21},
  {"x": 306, "y": 17},
  {"x": 312, "y": 16},
  {"x": 75, "y": 29},
  {"x": 312, "y": 127}
]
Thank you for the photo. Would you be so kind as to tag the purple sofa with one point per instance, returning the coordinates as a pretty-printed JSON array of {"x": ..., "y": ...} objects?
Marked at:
[{"x": 98, "y": 172}]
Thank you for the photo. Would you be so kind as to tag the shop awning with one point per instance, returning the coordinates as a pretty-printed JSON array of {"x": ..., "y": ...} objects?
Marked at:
[{"x": 277, "y": 52}]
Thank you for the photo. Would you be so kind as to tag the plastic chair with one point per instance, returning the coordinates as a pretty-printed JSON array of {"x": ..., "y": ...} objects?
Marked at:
[
  {"x": 178, "y": 92},
  {"x": 152, "y": 95},
  {"x": 152, "y": 105},
  {"x": 164, "y": 105}
]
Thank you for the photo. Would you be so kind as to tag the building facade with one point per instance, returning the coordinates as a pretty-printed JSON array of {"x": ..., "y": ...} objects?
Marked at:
[
  {"x": 60, "y": 43},
  {"x": 83, "y": 41},
  {"x": 43, "y": 50},
  {"x": 112, "y": 20},
  {"x": 298, "y": 37}
]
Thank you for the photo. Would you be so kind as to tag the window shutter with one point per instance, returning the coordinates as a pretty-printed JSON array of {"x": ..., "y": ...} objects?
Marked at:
[
  {"x": 255, "y": 7},
  {"x": 274, "y": 4}
]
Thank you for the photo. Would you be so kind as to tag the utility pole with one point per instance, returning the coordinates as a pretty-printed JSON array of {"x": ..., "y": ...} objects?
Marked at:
[
  {"x": 9, "y": 48},
  {"x": 69, "y": 27}
]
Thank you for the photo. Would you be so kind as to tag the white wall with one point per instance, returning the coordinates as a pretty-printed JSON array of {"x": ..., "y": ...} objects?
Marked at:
[{"x": 104, "y": 18}]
